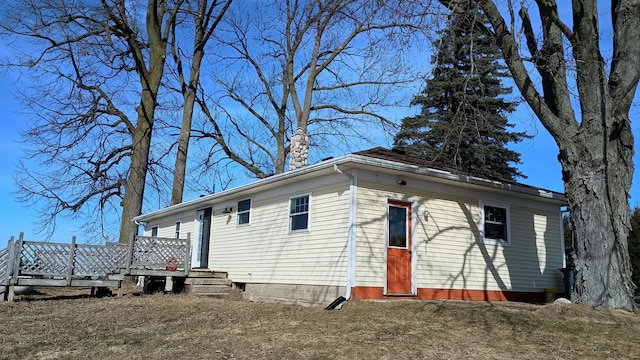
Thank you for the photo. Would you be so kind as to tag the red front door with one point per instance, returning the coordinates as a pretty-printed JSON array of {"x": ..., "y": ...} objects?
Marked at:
[{"x": 399, "y": 248}]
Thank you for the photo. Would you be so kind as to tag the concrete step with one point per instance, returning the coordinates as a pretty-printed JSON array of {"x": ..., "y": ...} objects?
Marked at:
[
  {"x": 204, "y": 282},
  {"x": 215, "y": 295},
  {"x": 213, "y": 291},
  {"x": 202, "y": 289},
  {"x": 207, "y": 281},
  {"x": 197, "y": 273}
]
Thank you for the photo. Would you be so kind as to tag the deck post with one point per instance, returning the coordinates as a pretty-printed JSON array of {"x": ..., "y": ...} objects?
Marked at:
[
  {"x": 72, "y": 255},
  {"x": 4, "y": 281},
  {"x": 9, "y": 269},
  {"x": 11, "y": 293},
  {"x": 187, "y": 260},
  {"x": 130, "y": 254},
  {"x": 17, "y": 253}
]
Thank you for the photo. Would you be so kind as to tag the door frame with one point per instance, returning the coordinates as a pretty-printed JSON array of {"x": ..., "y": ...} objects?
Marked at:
[
  {"x": 412, "y": 246},
  {"x": 202, "y": 240}
]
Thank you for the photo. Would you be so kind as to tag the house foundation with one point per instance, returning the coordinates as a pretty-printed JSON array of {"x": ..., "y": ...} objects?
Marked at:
[{"x": 307, "y": 295}]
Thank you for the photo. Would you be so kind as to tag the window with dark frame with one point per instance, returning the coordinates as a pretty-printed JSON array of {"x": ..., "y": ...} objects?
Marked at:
[
  {"x": 154, "y": 231},
  {"x": 495, "y": 223},
  {"x": 178, "y": 230},
  {"x": 244, "y": 211},
  {"x": 397, "y": 226},
  {"x": 299, "y": 213}
]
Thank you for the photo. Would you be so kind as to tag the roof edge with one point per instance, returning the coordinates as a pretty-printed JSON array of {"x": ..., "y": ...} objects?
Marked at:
[
  {"x": 260, "y": 182},
  {"x": 470, "y": 179},
  {"x": 370, "y": 161}
]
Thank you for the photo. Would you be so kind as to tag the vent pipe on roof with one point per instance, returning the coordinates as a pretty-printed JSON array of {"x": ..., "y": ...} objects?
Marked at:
[{"x": 299, "y": 150}]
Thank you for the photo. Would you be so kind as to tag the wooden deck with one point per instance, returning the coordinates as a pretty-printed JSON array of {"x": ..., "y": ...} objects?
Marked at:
[{"x": 32, "y": 263}]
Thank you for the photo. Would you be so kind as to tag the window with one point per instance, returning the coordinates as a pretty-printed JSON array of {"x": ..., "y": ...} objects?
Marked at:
[
  {"x": 495, "y": 224},
  {"x": 178, "y": 230},
  {"x": 398, "y": 226},
  {"x": 244, "y": 209},
  {"x": 154, "y": 231},
  {"x": 299, "y": 213}
]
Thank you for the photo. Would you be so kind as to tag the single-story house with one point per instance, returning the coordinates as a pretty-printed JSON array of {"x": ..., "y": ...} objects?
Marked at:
[{"x": 375, "y": 224}]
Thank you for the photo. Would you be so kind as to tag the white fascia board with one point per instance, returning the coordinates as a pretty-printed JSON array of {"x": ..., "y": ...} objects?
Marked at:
[
  {"x": 211, "y": 198},
  {"x": 472, "y": 180},
  {"x": 355, "y": 161}
]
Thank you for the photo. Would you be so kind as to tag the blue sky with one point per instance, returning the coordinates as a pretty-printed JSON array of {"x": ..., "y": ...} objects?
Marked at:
[
  {"x": 538, "y": 156},
  {"x": 539, "y": 163},
  {"x": 17, "y": 217}
]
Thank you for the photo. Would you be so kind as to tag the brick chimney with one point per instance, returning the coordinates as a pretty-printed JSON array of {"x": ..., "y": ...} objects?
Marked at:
[{"x": 299, "y": 151}]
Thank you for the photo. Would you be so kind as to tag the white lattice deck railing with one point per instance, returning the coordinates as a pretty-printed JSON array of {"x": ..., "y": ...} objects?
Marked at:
[
  {"x": 4, "y": 266},
  {"x": 154, "y": 253},
  {"x": 56, "y": 261}
]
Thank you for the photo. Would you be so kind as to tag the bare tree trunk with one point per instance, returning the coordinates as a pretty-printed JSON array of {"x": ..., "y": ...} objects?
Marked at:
[
  {"x": 205, "y": 24},
  {"x": 150, "y": 80},
  {"x": 134, "y": 187},
  {"x": 595, "y": 151},
  {"x": 180, "y": 168},
  {"x": 597, "y": 160},
  {"x": 597, "y": 173}
]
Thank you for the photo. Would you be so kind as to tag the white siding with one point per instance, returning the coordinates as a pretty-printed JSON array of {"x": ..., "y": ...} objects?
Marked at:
[
  {"x": 449, "y": 252},
  {"x": 266, "y": 252},
  {"x": 167, "y": 225}
]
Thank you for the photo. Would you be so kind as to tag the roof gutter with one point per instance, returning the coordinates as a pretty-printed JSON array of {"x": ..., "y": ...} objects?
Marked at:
[{"x": 446, "y": 175}]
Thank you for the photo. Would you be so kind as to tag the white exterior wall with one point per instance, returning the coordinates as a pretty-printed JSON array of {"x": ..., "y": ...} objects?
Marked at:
[
  {"x": 449, "y": 252},
  {"x": 167, "y": 225},
  {"x": 265, "y": 251}
]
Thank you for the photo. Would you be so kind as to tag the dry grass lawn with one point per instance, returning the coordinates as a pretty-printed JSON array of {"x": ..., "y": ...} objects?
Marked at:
[{"x": 67, "y": 324}]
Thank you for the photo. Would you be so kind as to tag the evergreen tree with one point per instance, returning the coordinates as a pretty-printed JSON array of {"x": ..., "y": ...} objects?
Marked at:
[{"x": 463, "y": 122}]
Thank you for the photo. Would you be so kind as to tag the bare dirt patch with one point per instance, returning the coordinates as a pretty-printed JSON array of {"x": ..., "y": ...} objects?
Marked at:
[{"x": 67, "y": 324}]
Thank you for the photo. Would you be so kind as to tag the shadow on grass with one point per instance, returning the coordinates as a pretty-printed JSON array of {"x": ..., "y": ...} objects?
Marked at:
[{"x": 72, "y": 294}]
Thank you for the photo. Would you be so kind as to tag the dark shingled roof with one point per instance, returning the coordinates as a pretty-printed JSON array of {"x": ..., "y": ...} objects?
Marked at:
[{"x": 400, "y": 156}]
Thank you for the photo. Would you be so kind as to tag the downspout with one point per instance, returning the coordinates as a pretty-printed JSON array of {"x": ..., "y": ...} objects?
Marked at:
[
  {"x": 351, "y": 234},
  {"x": 563, "y": 246}
]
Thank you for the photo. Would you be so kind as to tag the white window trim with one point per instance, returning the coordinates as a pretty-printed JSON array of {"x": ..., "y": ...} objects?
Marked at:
[
  {"x": 178, "y": 229},
  {"x": 247, "y": 211},
  {"x": 308, "y": 213},
  {"x": 498, "y": 204}
]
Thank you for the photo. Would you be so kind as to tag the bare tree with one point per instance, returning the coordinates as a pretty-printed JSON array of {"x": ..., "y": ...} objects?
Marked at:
[
  {"x": 326, "y": 68},
  {"x": 594, "y": 136},
  {"x": 205, "y": 16},
  {"x": 95, "y": 70}
]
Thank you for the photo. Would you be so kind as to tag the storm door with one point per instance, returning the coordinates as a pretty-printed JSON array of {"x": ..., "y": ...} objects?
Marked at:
[
  {"x": 398, "y": 248},
  {"x": 200, "y": 247}
]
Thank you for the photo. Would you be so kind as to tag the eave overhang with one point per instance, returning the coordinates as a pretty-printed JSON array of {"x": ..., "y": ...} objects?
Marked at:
[{"x": 354, "y": 161}]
